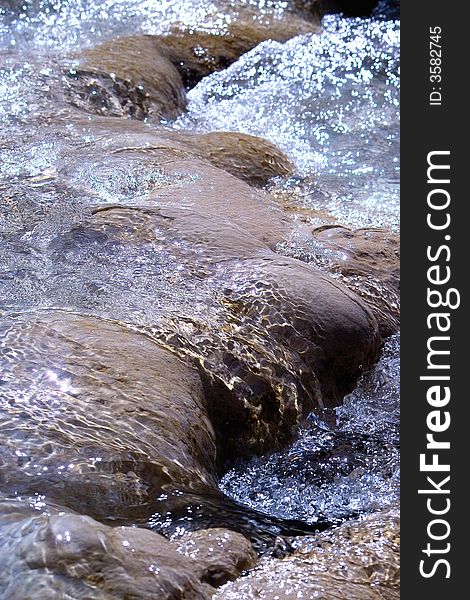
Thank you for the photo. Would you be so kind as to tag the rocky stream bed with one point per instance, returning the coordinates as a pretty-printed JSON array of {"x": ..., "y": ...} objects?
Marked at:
[{"x": 199, "y": 300}]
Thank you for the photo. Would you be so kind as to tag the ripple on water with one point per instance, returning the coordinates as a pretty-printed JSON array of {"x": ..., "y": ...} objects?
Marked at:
[{"x": 330, "y": 102}]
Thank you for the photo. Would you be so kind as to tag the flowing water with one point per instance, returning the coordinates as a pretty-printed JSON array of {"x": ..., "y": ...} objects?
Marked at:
[
  {"x": 333, "y": 471},
  {"x": 329, "y": 101}
]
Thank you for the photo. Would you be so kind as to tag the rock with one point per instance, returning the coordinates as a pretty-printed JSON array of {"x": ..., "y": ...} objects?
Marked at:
[
  {"x": 187, "y": 254},
  {"x": 307, "y": 7},
  {"x": 142, "y": 76},
  {"x": 198, "y": 53},
  {"x": 368, "y": 262},
  {"x": 249, "y": 158},
  {"x": 264, "y": 340},
  {"x": 127, "y": 77},
  {"x": 98, "y": 418},
  {"x": 278, "y": 338},
  {"x": 358, "y": 560},
  {"x": 220, "y": 554},
  {"x": 253, "y": 159},
  {"x": 181, "y": 179},
  {"x": 57, "y": 554}
]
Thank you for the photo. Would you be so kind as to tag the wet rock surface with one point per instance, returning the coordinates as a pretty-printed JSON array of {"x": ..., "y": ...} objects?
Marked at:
[
  {"x": 220, "y": 233},
  {"x": 221, "y": 555},
  {"x": 247, "y": 157},
  {"x": 357, "y": 560},
  {"x": 163, "y": 320},
  {"x": 258, "y": 297},
  {"x": 60, "y": 554},
  {"x": 197, "y": 54},
  {"x": 127, "y": 77},
  {"x": 343, "y": 463},
  {"x": 366, "y": 260},
  {"x": 98, "y": 418}
]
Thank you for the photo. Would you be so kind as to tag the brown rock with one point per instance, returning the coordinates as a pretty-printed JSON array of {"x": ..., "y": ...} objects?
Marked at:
[
  {"x": 253, "y": 159},
  {"x": 99, "y": 418},
  {"x": 368, "y": 262},
  {"x": 127, "y": 77},
  {"x": 57, "y": 554},
  {"x": 280, "y": 337},
  {"x": 142, "y": 76},
  {"x": 247, "y": 157},
  {"x": 358, "y": 560},
  {"x": 199, "y": 53},
  {"x": 220, "y": 554},
  {"x": 187, "y": 181},
  {"x": 190, "y": 255}
]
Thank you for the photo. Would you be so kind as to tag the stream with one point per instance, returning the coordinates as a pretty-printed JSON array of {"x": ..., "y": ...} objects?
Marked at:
[{"x": 330, "y": 103}]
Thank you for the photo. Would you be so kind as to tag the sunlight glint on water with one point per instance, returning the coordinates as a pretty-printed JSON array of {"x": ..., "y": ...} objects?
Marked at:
[
  {"x": 329, "y": 472},
  {"x": 331, "y": 102}
]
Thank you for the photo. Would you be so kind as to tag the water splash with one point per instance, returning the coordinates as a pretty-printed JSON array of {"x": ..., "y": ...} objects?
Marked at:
[
  {"x": 331, "y": 102},
  {"x": 333, "y": 471}
]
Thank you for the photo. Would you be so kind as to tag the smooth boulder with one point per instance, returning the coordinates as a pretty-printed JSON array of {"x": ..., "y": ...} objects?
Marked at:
[
  {"x": 197, "y": 53},
  {"x": 99, "y": 418},
  {"x": 278, "y": 338},
  {"x": 220, "y": 555},
  {"x": 368, "y": 262},
  {"x": 54, "y": 554},
  {"x": 248, "y": 157}
]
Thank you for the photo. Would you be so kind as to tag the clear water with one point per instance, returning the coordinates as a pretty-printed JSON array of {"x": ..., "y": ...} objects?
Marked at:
[
  {"x": 67, "y": 24},
  {"x": 329, "y": 101},
  {"x": 332, "y": 472}
]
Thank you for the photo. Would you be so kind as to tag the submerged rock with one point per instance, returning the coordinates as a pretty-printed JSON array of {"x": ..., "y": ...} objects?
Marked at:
[
  {"x": 357, "y": 560},
  {"x": 142, "y": 76},
  {"x": 282, "y": 338},
  {"x": 247, "y": 157},
  {"x": 185, "y": 252},
  {"x": 250, "y": 158},
  {"x": 103, "y": 415},
  {"x": 220, "y": 554},
  {"x": 98, "y": 418},
  {"x": 198, "y": 53},
  {"x": 57, "y": 554},
  {"x": 127, "y": 77},
  {"x": 368, "y": 262},
  {"x": 179, "y": 172},
  {"x": 192, "y": 266}
]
